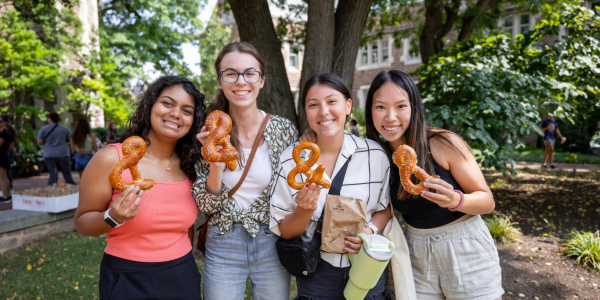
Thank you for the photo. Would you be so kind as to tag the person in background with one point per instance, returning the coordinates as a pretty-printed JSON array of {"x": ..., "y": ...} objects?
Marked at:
[
  {"x": 549, "y": 126},
  {"x": 13, "y": 149},
  {"x": 83, "y": 144},
  {"x": 55, "y": 138},
  {"x": 354, "y": 128},
  {"x": 5, "y": 139},
  {"x": 111, "y": 134}
]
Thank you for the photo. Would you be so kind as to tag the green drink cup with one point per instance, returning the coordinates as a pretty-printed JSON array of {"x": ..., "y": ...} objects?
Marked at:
[{"x": 368, "y": 265}]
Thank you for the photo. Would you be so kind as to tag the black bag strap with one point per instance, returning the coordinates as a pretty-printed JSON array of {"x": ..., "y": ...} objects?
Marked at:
[
  {"x": 336, "y": 187},
  {"x": 48, "y": 134}
]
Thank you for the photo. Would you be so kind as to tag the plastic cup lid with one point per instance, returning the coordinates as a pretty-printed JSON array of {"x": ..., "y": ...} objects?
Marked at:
[{"x": 378, "y": 247}]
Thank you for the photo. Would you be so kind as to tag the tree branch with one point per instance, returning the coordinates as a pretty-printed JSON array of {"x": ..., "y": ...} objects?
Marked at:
[{"x": 471, "y": 16}]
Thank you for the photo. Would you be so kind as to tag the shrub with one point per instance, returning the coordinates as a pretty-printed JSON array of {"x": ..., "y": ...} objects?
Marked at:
[
  {"x": 585, "y": 246},
  {"x": 501, "y": 228}
]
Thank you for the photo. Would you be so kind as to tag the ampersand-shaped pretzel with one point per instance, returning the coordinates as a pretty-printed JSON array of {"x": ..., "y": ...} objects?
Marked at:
[
  {"x": 219, "y": 124},
  {"x": 406, "y": 160},
  {"x": 315, "y": 176},
  {"x": 133, "y": 149}
]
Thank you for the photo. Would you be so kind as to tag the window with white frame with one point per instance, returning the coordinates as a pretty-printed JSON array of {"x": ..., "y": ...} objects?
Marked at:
[
  {"x": 375, "y": 53},
  {"x": 410, "y": 51},
  {"x": 228, "y": 17},
  {"x": 362, "y": 92},
  {"x": 293, "y": 62},
  {"x": 517, "y": 23}
]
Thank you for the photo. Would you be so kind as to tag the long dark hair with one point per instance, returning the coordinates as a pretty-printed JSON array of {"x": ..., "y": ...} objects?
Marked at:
[
  {"x": 418, "y": 133},
  {"x": 221, "y": 103},
  {"x": 188, "y": 148},
  {"x": 80, "y": 133},
  {"x": 329, "y": 79}
]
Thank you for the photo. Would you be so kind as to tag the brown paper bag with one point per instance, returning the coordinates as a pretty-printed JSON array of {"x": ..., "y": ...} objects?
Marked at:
[{"x": 343, "y": 216}]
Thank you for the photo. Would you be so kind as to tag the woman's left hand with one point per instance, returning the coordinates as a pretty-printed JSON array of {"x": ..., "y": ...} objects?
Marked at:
[
  {"x": 354, "y": 243},
  {"x": 445, "y": 195}
]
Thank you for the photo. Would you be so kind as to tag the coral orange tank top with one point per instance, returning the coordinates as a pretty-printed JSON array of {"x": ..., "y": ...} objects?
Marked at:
[{"x": 159, "y": 231}]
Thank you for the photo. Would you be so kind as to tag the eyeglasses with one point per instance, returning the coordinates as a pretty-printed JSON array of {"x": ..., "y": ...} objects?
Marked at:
[{"x": 231, "y": 76}]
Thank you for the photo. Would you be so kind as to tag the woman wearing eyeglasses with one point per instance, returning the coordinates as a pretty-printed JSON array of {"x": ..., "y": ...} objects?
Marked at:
[{"x": 239, "y": 245}]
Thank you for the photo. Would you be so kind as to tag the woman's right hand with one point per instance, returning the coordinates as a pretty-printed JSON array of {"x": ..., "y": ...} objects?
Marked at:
[
  {"x": 122, "y": 209},
  {"x": 308, "y": 197},
  {"x": 308, "y": 136}
]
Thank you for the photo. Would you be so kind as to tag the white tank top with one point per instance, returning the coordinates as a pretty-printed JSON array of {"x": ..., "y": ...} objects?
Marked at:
[{"x": 257, "y": 179}]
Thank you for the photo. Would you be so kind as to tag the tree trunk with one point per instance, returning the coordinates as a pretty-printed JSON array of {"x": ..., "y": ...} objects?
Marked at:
[
  {"x": 470, "y": 20},
  {"x": 350, "y": 21},
  {"x": 255, "y": 26},
  {"x": 318, "y": 47},
  {"x": 434, "y": 30}
]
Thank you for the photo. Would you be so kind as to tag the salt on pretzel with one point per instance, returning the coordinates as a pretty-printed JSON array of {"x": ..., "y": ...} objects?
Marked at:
[
  {"x": 219, "y": 125},
  {"x": 304, "y": 167},
  {"x": 133, "y": 149},
  {"x": 406, "y": 160}
]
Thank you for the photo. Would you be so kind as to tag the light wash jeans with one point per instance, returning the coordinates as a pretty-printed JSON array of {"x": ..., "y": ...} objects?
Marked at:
[{"x": 232, "y": 258}]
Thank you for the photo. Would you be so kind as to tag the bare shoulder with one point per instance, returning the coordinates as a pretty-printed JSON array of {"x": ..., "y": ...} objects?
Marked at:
[
  {"x": 107, "y": 156},
  {"x": 449, "y": 147}
]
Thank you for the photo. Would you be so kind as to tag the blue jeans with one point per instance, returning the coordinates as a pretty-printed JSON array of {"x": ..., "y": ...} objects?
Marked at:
[
  {"x": 64, "y": 163},
  {"x": 232, "y": 258},
  {"x": 81, "y": 161}
]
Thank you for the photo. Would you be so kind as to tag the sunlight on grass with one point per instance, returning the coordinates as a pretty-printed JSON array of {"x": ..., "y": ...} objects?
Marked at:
[
  {"x": 62, "y": 266},
  {"x": 585, "y": 247},
  {"x": 501, "y": 228}
]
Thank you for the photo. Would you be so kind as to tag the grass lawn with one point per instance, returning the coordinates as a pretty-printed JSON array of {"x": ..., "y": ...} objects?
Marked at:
[
  {"x": 536, "y": 155},
  {"x": 62, "y": 266}
]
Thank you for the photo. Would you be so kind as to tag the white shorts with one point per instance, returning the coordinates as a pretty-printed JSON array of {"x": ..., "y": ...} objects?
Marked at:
[{"x": 459, "y": 261}]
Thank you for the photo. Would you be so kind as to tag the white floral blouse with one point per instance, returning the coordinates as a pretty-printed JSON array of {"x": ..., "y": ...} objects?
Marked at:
[{"x": 279, "y": 134}]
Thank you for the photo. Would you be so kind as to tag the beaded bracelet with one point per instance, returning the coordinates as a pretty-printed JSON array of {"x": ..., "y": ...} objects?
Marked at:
[{"x": 462, "y": 200}]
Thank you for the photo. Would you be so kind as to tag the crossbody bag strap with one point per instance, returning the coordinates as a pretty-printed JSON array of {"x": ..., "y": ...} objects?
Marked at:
[
  {"x": 336, "y": 187},
  {"x": 48, "y": 134},
  {"x": 257, "y": 140}
]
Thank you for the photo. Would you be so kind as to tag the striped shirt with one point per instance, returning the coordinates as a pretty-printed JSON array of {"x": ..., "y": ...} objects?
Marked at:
[{"x": 367, "y": 178}]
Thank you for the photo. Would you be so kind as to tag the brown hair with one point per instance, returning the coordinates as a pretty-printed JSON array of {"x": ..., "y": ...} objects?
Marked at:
[
  {"x": 80, "y": 133},
  {"x": 417, "y": 134},
  {"x": 220, "y": 102}
]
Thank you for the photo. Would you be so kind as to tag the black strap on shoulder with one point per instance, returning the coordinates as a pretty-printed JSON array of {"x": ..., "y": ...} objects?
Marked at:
[
  {"x": 48, "y": 134},
  {"x": 336, "y": 187}
]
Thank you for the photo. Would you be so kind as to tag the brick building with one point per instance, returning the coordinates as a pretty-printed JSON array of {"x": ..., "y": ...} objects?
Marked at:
[{"x": 382, "y": 54}]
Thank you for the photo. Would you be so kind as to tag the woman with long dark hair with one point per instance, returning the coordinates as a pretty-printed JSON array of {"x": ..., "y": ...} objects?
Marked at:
[
  {"x": 326, "y": 101},
  {"x": 148, "y": 254},
  {"x": 83, "y": 144},
  {"x": 239, "y": 245},
  {"x": 452, "y": 252}
]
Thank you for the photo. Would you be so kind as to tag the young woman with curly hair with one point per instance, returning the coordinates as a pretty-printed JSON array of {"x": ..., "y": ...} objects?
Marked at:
[{"x": 148, "y": 253}]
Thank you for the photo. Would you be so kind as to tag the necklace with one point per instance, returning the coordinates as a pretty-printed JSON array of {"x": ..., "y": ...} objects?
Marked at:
[{"x": 168, "y": 169}]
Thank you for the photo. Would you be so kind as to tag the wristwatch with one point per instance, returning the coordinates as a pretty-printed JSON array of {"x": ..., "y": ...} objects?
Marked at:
[
  {"x": 110, "y": 221},
  {"x": 373, "y": 227}
]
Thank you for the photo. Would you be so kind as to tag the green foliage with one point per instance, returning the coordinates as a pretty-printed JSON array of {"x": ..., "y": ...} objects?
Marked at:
[
  {"x": 501, "y": 228},
  {"x": 572, "y": 159},
  {"x": 30, "y": 153},
  {"x": 212, "y": 40},
  {"x": 585, "y": 247},
  {"x": 489, "y": 90},
  {"x": 100, "y": 133},
  {"x": 139, "y": 32},
  {"x": 595, "y": 142}
]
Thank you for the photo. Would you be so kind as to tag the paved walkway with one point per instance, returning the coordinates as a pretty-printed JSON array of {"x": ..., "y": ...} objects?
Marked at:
[
  {"x": 35, "y": 181},
  {"x": 570, "y": 167}
]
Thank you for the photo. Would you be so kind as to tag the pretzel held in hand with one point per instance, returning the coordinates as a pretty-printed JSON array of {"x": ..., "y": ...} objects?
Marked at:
[
  {"x": 406, "y": 160},
  {"x": 315, "y": 176},
  {"x": 219, "y": 124},
  {"x": 133, "y": 149}
]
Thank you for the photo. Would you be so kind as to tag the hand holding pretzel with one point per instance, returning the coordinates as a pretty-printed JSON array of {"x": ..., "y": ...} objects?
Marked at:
[
  {"x": 304, "y": 167},
  {"x": 219, "y": 124},
  {"x": 133, "y": 149},
  {"x": 406, "y": 160}
]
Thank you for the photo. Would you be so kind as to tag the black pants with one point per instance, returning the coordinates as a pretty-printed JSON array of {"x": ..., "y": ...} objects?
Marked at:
[
  {"x": 329, "y": 283},
  {"x": 132, "y": 280},
  {"x": 64, "y": 163}
]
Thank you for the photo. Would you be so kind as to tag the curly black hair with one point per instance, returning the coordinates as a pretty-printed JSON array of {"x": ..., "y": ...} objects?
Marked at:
[{"x": 188, "y": 148}]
